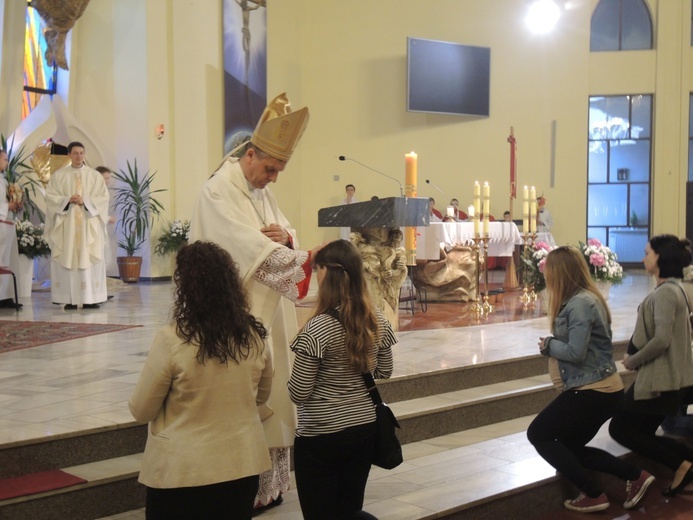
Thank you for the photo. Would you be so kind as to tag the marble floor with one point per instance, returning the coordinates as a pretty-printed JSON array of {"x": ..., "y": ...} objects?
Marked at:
[{"x": 85, "y": 383}]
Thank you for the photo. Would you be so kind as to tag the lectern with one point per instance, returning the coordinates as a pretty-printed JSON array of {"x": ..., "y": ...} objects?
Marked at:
[
  {"x": 375, "y": 231},
  {"x": 391, "y": 212}
]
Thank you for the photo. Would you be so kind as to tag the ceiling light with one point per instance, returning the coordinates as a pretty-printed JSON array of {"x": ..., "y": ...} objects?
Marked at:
[{"x": 542, "y": 16}]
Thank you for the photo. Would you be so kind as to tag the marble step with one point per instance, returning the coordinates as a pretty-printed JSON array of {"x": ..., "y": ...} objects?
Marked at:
[
  {"x": 111, "y": 486},
  {"x": 433, "y": 461},
  {"x": 79, "y": 447},
  {"x": 482, "y": 473},
  {"x": 441, "y": 414},
  {"x": 441, "y": 381}
]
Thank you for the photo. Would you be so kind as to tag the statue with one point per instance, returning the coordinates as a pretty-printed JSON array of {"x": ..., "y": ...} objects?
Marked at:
[{"x": 385, "y": 267}]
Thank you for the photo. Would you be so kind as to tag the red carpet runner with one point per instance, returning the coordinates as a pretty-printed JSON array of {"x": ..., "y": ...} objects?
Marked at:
[{"x": 36, "y": 483}]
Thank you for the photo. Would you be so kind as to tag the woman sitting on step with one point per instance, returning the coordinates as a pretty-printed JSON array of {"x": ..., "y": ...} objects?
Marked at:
[
  {"x": 581, "y": 365},
  {"x": 660, "y": 350},
  {"x": 202, "y": 390}
]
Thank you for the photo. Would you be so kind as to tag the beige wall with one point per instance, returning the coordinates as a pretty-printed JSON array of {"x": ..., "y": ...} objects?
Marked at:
[
  {"x": 136, "y": 65},
  {"x": 353, "y": 77}
]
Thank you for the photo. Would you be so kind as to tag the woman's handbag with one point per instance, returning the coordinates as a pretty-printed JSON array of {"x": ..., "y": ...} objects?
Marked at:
[{"x": 388, "y": 450}]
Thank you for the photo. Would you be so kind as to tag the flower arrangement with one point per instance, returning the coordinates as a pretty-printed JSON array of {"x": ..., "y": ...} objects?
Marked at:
[
  {"x": 534, "y": 261},
  {"x": 175, "y": 237},
  {"x": 602, "y": 262},
  {"x": 30, "y": 239}
]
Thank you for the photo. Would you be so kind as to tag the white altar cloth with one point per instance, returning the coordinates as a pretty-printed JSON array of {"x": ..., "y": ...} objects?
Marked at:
[{"x": 503, "y": 238}]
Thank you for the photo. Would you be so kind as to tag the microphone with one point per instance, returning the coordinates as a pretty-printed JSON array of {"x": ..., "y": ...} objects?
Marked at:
[
  {"x": 401, "y": 188},
  {"x": 436, "y": 187}
]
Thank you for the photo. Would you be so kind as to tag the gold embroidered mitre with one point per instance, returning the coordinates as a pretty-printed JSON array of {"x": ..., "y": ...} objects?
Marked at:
[{"x": 279, "y": 129}]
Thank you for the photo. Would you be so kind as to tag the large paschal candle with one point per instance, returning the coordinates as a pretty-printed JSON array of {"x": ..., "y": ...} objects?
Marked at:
[{"x": 410, "y": 190}]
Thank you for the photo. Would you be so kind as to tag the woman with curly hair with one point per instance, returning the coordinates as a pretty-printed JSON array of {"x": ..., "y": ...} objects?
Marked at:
[
  {"x": 335, "y": 436},
  {"x": 581, "y": 366},
  {"x": 202, "y": 390}
]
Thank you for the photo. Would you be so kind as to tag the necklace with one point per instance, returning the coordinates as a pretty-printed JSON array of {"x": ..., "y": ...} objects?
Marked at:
[{"x": 254, "y": 202}]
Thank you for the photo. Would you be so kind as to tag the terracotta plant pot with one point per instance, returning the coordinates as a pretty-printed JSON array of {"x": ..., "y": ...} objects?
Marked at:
[{"x": 129, "y": 268}]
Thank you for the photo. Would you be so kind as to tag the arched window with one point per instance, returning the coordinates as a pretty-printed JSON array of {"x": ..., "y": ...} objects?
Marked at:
[
  {"x": 621, "y": 25},
  {"x": 40, "y": 77}
]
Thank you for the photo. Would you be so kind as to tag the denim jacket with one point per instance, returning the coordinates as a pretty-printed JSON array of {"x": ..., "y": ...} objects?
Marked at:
[{"x": 581, "y": 342}]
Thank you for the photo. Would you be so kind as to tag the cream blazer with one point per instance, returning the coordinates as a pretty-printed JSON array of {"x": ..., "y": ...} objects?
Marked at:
[{"x": 204, "y": 426}]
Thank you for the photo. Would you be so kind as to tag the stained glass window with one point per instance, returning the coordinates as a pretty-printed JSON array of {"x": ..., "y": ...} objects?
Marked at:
[{"x": 39, "y": 76}]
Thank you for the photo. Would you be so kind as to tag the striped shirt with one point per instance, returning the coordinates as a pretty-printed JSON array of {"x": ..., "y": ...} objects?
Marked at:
[{"x": 329, "y": 393}]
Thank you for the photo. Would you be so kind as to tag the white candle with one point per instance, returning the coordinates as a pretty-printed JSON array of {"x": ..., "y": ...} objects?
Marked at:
[
  {"x": 487, "y": 206},
  {"x": 477, "y": 208},
  {"x": 533, "y": 210},
  {"x": 470, "y": 211},
  {"x": 451, "y": 212},
  {"x": 525, "y": 210}
]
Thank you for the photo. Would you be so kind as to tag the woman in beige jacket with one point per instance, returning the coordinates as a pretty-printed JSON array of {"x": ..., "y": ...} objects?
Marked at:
[
  {"x": 202, "y": 390},
  {"x": 660, "y": 351}
]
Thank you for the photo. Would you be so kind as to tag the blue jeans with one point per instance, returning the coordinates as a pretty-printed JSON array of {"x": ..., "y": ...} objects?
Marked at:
[{"x": 331, "y": 473}]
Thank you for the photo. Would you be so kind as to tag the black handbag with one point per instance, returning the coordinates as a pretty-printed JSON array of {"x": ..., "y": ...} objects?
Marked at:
[{"x": 388, "y": 450}]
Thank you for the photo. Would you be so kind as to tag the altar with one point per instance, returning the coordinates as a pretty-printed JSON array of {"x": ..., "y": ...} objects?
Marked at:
[{"x": 504, "y": 236}]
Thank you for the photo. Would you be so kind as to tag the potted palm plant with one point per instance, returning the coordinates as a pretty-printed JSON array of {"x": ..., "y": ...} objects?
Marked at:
[
  {"x": 22, "y": 187},
  {"x": 135, "y": 203}
]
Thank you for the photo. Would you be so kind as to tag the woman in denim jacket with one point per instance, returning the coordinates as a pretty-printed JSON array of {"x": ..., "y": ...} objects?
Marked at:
[
  {"x": 582, "y": 367},
  {"x": 660, "y": 351}
]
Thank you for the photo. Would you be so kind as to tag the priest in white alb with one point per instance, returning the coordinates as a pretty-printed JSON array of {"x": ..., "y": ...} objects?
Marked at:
[
  {"x": 236, "y": 209},
  {"x": 76, "y": 218}
]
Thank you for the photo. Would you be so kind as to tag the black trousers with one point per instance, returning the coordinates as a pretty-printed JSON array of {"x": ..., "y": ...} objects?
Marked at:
[
  {"x": 232, "y": 500},
  {"x": 561, "y": 431},
  {"x": 331, "y": 473},
  {"x": 635, "y": 427}
]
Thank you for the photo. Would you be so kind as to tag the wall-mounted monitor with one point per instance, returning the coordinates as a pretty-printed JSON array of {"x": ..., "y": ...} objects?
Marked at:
[{"x": 448, "y": 78}]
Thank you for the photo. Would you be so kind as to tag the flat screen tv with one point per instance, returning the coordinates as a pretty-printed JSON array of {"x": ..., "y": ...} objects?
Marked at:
[{"x": 448, "y": 78}]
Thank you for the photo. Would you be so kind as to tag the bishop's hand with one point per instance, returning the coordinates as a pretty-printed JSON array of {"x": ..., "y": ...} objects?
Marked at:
[{"x": 276, "y": 233}]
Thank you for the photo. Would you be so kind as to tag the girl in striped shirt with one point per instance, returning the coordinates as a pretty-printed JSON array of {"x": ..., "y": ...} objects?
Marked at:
[{"x": 336, "y": 418}]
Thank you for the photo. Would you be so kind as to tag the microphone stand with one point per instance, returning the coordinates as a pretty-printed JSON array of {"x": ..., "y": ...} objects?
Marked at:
[
  {"x": 436, "y": 187},
  {"x": 401, "y": 187}
]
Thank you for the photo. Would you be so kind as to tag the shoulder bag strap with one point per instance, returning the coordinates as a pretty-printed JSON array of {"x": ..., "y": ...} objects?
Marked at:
[
  {"x": 685, "y": 296},
  {"x": 372, "y": 389}
]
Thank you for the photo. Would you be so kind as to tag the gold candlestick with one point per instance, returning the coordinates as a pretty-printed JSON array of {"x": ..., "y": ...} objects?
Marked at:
[
  {"x": 528, "y": 294},
  {"x": 477, "y": 307}
]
